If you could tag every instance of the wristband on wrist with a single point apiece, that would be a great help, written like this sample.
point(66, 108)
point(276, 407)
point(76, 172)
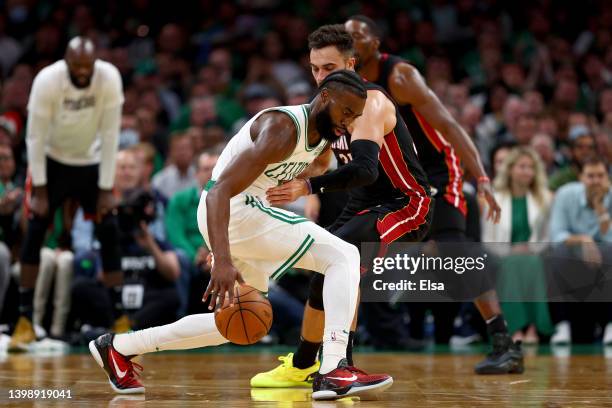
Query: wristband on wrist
point(309, 185)
point(605, 217)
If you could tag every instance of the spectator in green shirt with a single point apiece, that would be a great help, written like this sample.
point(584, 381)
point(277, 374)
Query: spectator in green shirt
point(583, 146)
point(182, 227)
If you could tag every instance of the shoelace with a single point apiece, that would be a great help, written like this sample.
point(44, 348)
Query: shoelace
point(134, 371)
point(285, 360)
point(499, 348)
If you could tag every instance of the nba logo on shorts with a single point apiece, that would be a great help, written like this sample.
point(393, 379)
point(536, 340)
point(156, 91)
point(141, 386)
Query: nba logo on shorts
point(333, 336)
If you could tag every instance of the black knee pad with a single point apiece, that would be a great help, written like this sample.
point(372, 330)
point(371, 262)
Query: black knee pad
point(315, 294)
point(35, 235)
point(107, 232)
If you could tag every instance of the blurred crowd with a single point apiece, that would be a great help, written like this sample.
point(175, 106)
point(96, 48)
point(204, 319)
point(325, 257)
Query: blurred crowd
point(530, 81)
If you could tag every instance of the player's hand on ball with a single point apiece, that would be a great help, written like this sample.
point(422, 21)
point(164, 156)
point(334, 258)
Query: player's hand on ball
point(288, 192)
point(223, 277)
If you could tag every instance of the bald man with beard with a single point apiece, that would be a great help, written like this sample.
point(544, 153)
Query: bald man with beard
point(72, 136)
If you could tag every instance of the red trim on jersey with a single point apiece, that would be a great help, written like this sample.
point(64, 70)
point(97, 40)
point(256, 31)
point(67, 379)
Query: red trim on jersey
point(454, 187)
point(398, 172)
point(407, 219)
point(412, 216)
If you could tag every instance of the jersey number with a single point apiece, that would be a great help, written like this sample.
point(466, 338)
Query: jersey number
point(345, 157)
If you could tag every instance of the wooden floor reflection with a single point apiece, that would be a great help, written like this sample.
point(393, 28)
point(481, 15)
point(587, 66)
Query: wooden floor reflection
point(221, 380)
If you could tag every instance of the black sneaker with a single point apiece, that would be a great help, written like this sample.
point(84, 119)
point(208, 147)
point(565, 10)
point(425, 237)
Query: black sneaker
point(506, 357)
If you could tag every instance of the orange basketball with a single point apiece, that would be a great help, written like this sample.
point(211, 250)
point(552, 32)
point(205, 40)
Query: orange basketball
point(248, 320)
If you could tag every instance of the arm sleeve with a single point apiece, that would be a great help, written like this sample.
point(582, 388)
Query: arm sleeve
point(559, 222)
point(114, 90)
point(36, 141)
point(361, 171)
point(109, 134)
point(40, 107)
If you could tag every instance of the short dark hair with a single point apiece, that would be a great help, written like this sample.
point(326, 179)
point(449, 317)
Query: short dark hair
point(347, 81)
point(594, 160)
point(372, 26)
point(331, 34)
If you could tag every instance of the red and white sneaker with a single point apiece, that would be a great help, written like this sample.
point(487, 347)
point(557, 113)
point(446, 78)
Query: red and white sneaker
point(121, 371)
point(347, 380)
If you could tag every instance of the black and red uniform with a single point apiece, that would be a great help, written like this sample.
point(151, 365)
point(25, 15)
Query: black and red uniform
point(398, 204)
point(397, 207)
point(438, 158)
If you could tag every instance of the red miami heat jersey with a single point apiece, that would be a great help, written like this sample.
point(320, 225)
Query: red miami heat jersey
point(401, 193)
point(436, 154)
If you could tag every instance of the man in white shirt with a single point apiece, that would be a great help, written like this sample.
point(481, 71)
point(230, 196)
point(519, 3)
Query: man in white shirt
point(180, 174)
point(72, 136)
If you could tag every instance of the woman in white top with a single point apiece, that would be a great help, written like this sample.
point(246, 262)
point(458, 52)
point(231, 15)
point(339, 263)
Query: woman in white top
point(521, 191)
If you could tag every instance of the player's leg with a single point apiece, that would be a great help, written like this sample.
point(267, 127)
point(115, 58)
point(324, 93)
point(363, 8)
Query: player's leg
point(297, 369)
point(36, 231)
point(339, 262)
point(114, 352)
point(248, 229)
point(506, 356)
point(449, 227)
point(305, 245)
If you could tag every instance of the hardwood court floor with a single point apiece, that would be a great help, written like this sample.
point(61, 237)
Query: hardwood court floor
point(222, 380)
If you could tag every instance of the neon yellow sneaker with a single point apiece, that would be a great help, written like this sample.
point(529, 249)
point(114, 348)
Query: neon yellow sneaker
point(285, 375)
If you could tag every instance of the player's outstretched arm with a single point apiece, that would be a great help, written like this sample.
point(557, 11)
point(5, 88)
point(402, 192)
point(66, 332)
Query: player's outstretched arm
point(367, 137)
point(274, 136)
point(408, 87)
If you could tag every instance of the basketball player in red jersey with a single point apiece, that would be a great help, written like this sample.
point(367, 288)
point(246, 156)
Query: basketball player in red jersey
point(329, 53)
point(389, 196)
point(441, 143)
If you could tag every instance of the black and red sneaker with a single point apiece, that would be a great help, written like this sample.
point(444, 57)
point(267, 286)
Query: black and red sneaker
point(121, 371)
point(347, 380)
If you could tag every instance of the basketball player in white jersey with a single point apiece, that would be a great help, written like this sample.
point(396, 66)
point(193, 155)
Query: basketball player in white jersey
point(72, 137)
point(253, 242)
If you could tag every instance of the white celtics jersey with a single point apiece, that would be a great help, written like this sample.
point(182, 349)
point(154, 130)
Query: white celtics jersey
point(275, 173)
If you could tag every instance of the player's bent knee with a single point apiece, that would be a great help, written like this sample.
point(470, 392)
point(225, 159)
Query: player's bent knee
point(348, 255)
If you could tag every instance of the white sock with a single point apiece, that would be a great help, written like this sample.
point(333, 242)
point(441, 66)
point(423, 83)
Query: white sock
point(335, 341)
point(339, 299)
point(194, 331)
